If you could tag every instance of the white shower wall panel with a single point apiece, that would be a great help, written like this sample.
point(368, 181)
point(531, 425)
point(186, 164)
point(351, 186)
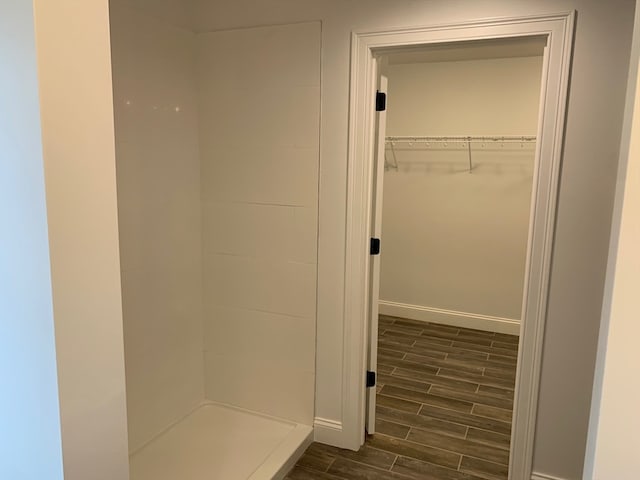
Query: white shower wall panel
point(259, 140)
point(158, 175)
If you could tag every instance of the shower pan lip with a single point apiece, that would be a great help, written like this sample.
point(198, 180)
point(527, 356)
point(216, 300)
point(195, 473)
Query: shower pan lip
point(222, 441)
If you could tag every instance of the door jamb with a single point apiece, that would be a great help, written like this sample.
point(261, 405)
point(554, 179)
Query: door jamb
point(558, 30)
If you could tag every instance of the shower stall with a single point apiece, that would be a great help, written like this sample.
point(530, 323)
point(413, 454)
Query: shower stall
point(217, 152)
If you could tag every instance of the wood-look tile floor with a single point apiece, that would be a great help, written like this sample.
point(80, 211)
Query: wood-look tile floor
point(445, 397)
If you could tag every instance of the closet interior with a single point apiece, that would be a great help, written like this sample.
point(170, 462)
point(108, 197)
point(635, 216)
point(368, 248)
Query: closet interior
point(460, 145)
point(217, 176)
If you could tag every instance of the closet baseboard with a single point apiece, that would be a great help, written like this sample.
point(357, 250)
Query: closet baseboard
point(450, 317)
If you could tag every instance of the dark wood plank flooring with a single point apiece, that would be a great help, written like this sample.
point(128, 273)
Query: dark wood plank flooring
point(445, 397)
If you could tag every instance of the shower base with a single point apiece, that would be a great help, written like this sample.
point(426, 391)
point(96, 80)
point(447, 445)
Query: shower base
point(218, 442)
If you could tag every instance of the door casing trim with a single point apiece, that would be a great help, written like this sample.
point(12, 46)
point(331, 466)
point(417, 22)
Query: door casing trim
point(558, 29)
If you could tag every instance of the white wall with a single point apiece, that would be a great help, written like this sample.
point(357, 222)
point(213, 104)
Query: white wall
point(30, 438)
point(74, 68)
point(178, 13)
point(613, 440)
point(158, 175)
point(452, 240)
point(259, 120)
point(601, 56)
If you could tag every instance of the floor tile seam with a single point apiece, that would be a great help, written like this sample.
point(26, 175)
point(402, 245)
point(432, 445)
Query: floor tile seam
point(447, 398)
point(461, 340)
point(475, 401)
point(498, 373)
point(494, 384)
point(466, 349)
point(438, 419)
point(489, 444)
point(428, 446)
point(457, 380)
point(508, 370)
point(467, 425)
point(455, 452)
point(500, 408)
point(414, 329)
point(490, 418)
point(382, 450)
point(380, 469)
point(402, 333)
point(396, 347)
point(420, 427)
point(461, 334)
point(505, 345)
point(384, 355)
point(486, 461)
point(502, 352)
point(449, 366)
point(485, 364)
point(462, 353)
point(499, 379)
point(479, 334)
point(467, 357)
point(427, 385)
point(394, 462)
point(431, 404)
point(489, 431)
point(428, 463)
point(429, 367)
point(333, 460)
point(314, 470)
point(471, 442)
point(447, 409)
point(480, 475)
point(494, 446)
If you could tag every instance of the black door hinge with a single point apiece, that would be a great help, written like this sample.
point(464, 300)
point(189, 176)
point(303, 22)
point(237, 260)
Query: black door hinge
point(374, 249)
point(381, 101)
point(371, 379)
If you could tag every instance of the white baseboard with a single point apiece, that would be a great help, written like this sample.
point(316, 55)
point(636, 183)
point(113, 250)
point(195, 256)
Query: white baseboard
point(450, 317)
point(541, 476)
point(327, 431)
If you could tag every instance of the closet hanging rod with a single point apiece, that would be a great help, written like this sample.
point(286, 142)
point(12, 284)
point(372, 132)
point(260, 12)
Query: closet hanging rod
point(462, 138)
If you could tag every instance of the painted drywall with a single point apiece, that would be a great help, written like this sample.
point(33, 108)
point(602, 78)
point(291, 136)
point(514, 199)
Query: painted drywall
point(178, 13)
point(158, 176)
point(594, 119)
point(74, 66)
point(30, 437)
point(259, 121)
point(453, 240)
point(613, 441)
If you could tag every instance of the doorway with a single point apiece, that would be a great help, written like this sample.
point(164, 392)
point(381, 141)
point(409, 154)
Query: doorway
point(556, 32)
point(455, 152)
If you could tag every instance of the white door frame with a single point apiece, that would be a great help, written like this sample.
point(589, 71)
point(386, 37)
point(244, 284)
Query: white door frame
point(558, 30)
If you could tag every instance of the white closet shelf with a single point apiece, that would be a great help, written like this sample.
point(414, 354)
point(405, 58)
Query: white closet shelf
point(462, 138)
point(465, 140)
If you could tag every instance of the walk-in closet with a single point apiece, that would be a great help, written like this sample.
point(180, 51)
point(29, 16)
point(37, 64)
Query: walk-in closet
point(217, 177)
point(458, 176)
